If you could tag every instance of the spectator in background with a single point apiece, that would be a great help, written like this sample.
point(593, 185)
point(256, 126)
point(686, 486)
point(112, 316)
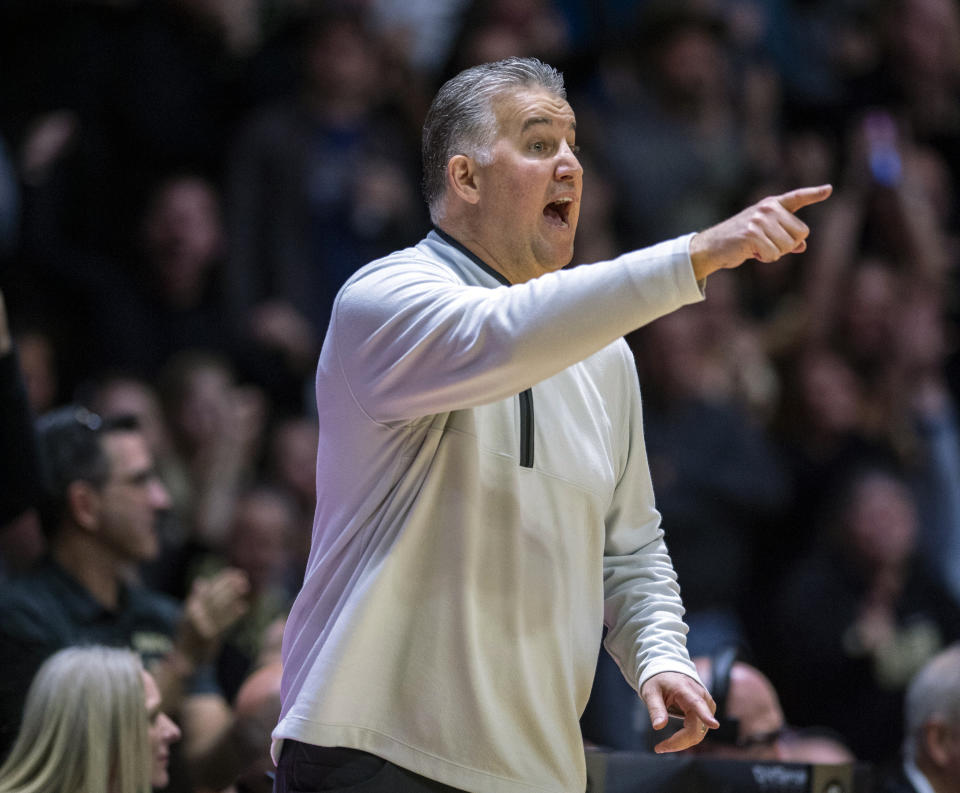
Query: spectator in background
point(319, 183)
point(257, 709)
point(291, 466)
point(720, 482)
point(877, 298)
point(92, 722)
point(422, 32)
point(147, 88)
point(133, 313)
point(173, 100)
point(20, 539)
point(748, 709)
point(819, 430)
point(491, 30)
point(259, 544)
point(676, 97)
point(772, 296)
point(38, 363)
point(20, 467)
point(487, 41)
point(120, 394)
point(929, 414)
point(241, 753)
point(57, 87)
point(822, 49)
point(752, 723)
point(217, 428)
point(101, 502)
point(172, 302)
point(931, 747)
point(859, 616)
point(917, 73)
point(885, 223)
point(737, 366)
point(291, 459)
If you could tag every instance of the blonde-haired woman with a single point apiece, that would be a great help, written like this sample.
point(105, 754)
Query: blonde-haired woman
point(91, 724)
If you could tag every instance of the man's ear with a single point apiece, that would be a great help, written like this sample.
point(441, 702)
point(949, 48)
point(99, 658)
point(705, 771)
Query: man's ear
point(462, 178)
point(83, 504)
point(936, 737)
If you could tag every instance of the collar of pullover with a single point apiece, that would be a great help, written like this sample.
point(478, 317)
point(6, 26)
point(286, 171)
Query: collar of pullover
point(473, 257)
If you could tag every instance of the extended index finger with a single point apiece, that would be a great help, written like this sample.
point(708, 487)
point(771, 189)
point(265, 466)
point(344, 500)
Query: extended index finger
point(804, 196)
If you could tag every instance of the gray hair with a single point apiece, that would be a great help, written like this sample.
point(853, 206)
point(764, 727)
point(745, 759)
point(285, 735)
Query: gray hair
point(84, 726)
point(934, 693)
point(461, 119)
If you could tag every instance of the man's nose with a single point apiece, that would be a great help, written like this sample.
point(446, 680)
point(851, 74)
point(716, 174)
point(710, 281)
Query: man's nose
point(159, 495)
point(568, 167)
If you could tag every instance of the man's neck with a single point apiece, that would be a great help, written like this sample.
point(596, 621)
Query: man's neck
point(482, 252)
point(925, 778)
point(88, 564)
point(455, 241)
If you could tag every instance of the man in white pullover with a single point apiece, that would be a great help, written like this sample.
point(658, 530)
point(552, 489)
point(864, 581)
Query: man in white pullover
point(484, 499)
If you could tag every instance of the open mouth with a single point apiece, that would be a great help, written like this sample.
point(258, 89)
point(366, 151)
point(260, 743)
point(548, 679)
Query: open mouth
point(557, 212)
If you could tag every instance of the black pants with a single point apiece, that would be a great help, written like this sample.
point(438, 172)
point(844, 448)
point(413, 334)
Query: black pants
point(304, 768)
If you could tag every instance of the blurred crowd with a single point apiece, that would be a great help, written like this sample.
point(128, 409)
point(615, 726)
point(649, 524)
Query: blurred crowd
point(185, 184)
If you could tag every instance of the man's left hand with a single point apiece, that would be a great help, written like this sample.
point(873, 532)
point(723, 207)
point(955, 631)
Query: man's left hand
point(674, 693)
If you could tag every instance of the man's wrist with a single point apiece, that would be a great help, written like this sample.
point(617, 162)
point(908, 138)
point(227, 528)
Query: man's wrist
point(181, 663)
point(701, 259)
point(192, 646)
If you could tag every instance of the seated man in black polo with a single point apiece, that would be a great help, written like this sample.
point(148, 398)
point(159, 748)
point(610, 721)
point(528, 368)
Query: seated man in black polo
point(102, 500)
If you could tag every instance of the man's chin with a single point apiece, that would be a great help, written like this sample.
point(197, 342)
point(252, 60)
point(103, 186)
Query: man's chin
point(564, 257)
point(557, 254)
point(149, 553)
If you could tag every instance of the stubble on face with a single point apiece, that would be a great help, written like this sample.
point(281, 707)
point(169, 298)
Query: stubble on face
point(529, 193)
point(133, 498)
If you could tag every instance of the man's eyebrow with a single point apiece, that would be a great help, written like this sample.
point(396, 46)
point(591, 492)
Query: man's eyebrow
point(530, 122)
point(140, 476)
